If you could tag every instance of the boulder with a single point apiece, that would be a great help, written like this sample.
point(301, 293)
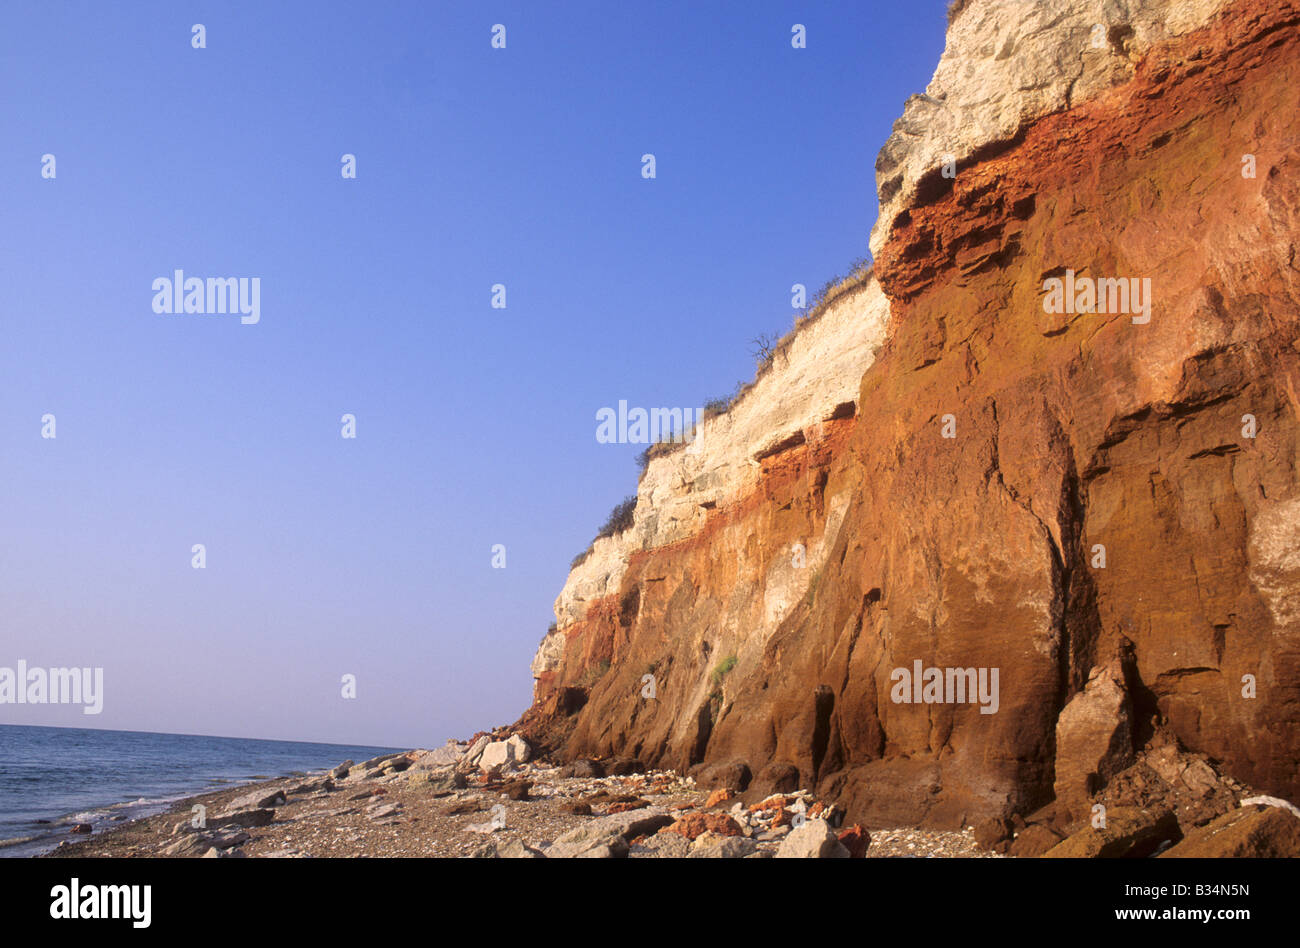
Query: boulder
point(499, 755)
point(341, 771)
point(521, 750)
point(814, 840)
point(733, 775)
point(662, 845)
point(446, 756)
point(608, 831)
point(718, 796)
point(1128, 833)
point(856, 840)
point(258, 799)
point(724, 847)
point(442, 781)
point(515, 849)
point(992, 831)
point(1094, 740)
point(189, 845)
point(693, 825)
point(475, 751)
point(1253, 831)
point(252, 816)
point(385, 759)
point(1034, 840)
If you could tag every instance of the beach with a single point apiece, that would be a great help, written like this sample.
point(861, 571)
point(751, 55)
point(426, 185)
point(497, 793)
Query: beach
point(417, 804)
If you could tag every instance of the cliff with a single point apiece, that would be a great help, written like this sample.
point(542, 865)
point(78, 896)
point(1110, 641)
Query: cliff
point(949, 468)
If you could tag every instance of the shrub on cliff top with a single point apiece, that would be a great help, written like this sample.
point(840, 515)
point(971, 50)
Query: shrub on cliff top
point(620, 518)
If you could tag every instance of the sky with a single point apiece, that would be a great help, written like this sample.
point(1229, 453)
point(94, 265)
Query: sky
point(372, 556)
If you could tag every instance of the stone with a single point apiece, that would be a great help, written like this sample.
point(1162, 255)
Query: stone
point(1093, 740)
point(585, 768)
point(228, 838)
point(253, 816)
point(498, 755)
point(610, 831)
point(81, 828)
point(442, 781)
point(732, 775)
point(520, 749)
point(475, 751)
point(814, 840)
point(724, 847)
point(717, 797)
point(516, 849)
point(1129, 833)
point(693, 825)
point(662, 845)
point(1257, 831)
point(341, 771)
point(189, 845)
point(517, 789)
point(258, 799)
point(448, 755)
point(856, 840)
point(383, 759)
point(1034, 840)
point(992, 831)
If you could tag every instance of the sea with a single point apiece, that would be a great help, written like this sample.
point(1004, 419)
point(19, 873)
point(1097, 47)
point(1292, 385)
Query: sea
point(52, 778)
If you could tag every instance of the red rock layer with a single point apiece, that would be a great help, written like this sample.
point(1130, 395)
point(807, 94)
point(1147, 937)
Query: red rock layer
point(1071, 431)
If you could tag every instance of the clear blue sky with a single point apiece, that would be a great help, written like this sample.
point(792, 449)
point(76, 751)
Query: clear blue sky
point(475, 426)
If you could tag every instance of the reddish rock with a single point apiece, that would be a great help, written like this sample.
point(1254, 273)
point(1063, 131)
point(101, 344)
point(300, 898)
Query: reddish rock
point(721, 795)
point(626, 806)
point(856, 840)
point(693, 824)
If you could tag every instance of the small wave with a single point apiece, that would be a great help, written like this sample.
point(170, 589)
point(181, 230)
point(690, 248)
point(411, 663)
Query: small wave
point(17, 841)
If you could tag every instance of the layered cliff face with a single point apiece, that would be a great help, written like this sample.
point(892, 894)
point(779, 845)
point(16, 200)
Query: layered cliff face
point(1013, 484)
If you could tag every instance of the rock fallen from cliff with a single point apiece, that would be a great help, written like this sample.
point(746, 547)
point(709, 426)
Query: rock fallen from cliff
point(1253, 831)
point(1036, 839)
point(815, 839)
point(609, 834)
point(722, 847)
point(1129, 833)
point(258, 799)
point(1094, 740)
point(248, 817)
